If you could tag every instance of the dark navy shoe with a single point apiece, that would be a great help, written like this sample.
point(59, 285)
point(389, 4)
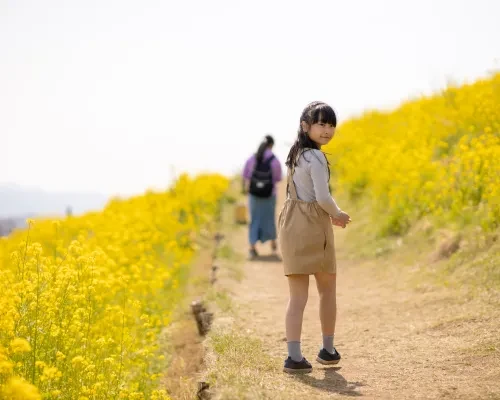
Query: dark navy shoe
point(327, 358)
point(252, 254)
point(293, 367)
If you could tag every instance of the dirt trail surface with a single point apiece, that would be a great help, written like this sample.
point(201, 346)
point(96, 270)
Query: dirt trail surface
point(396, 342)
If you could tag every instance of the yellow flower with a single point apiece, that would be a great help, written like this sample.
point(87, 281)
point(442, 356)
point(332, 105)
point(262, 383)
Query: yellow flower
point(54, 331)
point(6, 367)
point(19, 345)
point(40, 364)
point(93, 288)
point(453, 144)
point(76, 361)
point(50, 373)
point(18, 389)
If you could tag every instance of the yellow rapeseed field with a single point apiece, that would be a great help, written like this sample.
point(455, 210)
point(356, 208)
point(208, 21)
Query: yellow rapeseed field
point(435, 156)
point(83, 299)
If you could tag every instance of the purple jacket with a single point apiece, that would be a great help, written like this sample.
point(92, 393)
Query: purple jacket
point(275, 168)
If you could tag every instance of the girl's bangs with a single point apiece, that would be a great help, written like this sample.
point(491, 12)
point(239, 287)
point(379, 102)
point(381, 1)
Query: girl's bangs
point(324, 114)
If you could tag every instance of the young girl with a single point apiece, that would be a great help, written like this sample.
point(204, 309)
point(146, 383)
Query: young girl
point(306, 236)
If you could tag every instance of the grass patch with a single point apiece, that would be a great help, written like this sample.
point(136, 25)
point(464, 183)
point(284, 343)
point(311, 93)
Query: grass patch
point(235, 272)
point(488, 348)
point(240, 368)
point(221, 298)
point(241, 350)
point(432, 252)
point(473, 267)
point(232, 262)
point(227, 252)
point(485, 348)
point(180, 342)
point(200, 281)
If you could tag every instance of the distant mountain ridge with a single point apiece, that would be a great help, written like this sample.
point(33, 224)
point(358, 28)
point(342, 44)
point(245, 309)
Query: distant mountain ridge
point(18, 202)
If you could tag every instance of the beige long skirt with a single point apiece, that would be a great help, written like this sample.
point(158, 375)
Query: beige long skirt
point(305, 235)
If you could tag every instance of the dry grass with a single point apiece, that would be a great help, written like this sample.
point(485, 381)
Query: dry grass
point(187, 360)
point(239, 365)
point(456, 257)
point(232, 261)
point(181, 340)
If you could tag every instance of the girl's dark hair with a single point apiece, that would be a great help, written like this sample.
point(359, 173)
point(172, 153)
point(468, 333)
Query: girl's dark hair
point(268, 141)
point(315, 112)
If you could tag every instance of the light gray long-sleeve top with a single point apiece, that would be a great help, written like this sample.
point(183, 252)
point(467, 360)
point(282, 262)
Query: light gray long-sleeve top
point(311, 181)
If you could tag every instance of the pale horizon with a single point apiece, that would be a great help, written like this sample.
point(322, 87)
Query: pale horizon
point(117, 97)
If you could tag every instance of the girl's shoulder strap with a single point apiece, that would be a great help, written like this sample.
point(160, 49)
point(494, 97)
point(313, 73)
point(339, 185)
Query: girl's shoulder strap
point(300, 154)
point(319, 155)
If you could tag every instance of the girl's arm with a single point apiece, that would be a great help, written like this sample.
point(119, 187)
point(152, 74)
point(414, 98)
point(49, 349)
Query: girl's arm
point(276, 169)
point(319, 175)
point(247, 174)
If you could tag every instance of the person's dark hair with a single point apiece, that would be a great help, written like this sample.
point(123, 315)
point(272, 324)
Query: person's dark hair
point(315, 112)
point(267, 142)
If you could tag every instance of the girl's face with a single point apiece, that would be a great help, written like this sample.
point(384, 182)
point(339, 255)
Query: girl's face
point(320, 133)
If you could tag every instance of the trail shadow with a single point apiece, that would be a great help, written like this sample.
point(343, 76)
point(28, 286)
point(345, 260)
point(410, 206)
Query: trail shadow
point(271, 258)
point(333, 382)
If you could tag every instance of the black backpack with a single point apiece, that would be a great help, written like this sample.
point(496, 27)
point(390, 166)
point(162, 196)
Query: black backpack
point(261, 182)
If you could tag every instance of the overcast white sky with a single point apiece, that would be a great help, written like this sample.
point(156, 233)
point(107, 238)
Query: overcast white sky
point(109, 95)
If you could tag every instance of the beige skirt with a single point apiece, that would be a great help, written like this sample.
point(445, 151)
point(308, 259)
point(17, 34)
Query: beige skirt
point(305, 235)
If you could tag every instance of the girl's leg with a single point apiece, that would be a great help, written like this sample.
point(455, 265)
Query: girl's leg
point(274, 246)
point(298, 287)
point(327, 289)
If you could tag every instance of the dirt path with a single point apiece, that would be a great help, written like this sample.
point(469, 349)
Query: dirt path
point(396, 342)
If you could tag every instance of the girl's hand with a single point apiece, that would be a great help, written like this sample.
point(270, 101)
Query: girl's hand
point(341, 220)
point(246, 186)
